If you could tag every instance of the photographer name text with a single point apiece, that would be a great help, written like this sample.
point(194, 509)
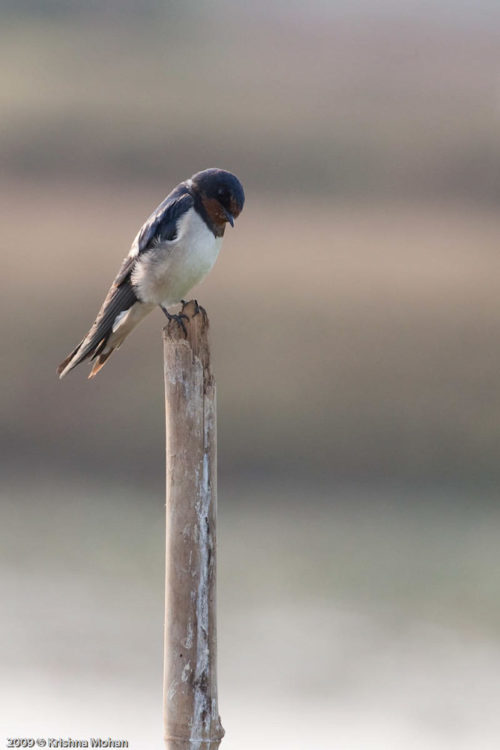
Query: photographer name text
point(64, 742)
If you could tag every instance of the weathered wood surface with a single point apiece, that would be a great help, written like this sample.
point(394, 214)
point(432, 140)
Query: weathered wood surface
point(191, 714)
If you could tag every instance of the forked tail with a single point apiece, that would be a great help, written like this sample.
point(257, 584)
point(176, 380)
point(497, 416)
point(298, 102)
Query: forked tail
point(119, 314)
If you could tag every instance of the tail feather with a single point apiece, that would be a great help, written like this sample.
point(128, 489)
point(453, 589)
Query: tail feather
point(85, 351)
point(63, 367)
point(78, 355)
point(119, 300)
point(100, 362)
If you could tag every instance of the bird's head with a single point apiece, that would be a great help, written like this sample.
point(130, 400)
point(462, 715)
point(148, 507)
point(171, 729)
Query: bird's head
point(221, 194)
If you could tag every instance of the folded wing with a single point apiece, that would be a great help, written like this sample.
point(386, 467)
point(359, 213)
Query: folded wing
point(100, 341)
point(119, 299)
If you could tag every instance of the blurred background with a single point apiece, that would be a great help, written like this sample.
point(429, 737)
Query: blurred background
point(354, 320)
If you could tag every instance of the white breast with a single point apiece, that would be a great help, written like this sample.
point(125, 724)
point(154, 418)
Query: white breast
point(164, 274)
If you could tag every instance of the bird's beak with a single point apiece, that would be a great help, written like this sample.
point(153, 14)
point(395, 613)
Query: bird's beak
point(229, 217)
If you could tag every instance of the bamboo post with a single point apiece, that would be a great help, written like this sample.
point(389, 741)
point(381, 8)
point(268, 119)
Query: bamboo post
point(190, 707)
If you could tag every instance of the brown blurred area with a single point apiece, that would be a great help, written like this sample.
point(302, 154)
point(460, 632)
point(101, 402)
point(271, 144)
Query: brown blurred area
point(354, 320)
point(354, 310)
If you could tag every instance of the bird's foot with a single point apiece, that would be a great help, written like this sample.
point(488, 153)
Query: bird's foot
point(178, 318)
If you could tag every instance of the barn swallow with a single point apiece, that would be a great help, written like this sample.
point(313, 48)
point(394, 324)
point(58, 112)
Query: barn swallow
point(173, 251)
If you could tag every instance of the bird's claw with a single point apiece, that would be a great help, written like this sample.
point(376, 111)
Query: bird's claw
point(178, 317)
point(180, 322)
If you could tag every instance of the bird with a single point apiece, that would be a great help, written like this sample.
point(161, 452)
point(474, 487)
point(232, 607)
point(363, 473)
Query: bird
point(174, 250)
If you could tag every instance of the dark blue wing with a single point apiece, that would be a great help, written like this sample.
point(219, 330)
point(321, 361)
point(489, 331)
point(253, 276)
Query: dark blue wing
point(162, 224)
point(159, 227)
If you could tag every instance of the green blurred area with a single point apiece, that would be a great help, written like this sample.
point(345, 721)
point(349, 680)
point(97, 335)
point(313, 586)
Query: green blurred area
point(373, 613)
